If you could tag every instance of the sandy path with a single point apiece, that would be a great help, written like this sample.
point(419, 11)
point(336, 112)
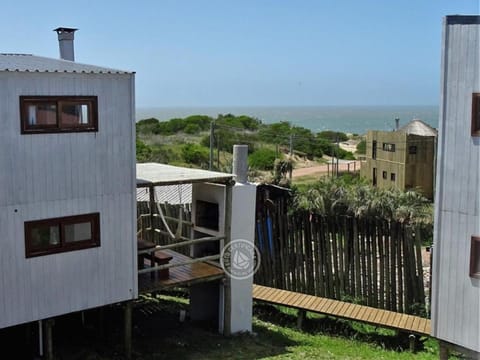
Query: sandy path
point(323, 169)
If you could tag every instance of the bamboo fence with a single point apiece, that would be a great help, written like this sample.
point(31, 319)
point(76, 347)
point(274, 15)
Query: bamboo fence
point(369, 261)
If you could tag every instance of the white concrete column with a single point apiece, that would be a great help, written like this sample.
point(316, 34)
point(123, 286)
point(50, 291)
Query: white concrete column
point(242, 228)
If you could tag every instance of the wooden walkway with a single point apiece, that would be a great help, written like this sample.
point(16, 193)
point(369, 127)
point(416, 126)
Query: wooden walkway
point(389, 319)
point(180, 275)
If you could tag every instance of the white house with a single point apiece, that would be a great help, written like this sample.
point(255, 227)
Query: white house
point(67, 180)
point(456, 263)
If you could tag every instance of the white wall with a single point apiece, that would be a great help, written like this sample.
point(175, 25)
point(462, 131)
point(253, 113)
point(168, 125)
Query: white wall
point(243, 227)
point(54, 175)
point(455, 296)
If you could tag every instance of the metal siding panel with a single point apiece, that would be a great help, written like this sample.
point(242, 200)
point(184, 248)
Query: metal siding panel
point(63, 174)
point(455, 303)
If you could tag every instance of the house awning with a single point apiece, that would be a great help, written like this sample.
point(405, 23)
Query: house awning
point(155, 174)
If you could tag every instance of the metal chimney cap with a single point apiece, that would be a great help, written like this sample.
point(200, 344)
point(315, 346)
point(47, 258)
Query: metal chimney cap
point(65, 29)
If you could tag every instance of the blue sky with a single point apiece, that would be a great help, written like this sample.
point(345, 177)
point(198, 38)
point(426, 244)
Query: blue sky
point(250, 52)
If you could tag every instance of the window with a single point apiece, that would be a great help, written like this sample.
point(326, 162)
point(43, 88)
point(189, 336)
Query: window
point(475, 257)
point(476, 114)
point(388, 147)
point(392, 176)
point(384, 174)
point(50, 236)
point(53, 114)
point(412, 150)
point(374, 149)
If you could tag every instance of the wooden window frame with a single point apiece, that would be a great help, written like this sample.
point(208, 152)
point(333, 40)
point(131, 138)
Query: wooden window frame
point(475, 241)
point(63, 246)
point(59, 127)
point(475, 130)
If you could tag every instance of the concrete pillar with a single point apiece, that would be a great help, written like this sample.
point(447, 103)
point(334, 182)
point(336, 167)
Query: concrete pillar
point(240, 163)
point(239, 299)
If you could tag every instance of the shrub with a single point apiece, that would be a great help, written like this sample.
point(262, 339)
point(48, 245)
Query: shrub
point(195, 154)
point(192, 129)
point(146, 126)
point(362, 147)
point(332, 135)
point(262, 159)
point(144, 152)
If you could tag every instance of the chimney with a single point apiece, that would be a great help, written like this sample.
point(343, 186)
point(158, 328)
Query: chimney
point(397, 123)
point(65, 42)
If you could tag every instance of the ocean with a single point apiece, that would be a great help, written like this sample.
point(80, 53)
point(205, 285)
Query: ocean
point(348, 119)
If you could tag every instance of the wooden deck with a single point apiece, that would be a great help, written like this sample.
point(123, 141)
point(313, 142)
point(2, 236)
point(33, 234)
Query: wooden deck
point(183, 275)
point(389, 319)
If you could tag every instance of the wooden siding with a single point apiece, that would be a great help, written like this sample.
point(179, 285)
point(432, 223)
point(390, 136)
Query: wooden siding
point(455, 296)
point(53, 175)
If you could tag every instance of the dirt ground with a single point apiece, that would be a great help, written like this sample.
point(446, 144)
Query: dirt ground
point(325, 168)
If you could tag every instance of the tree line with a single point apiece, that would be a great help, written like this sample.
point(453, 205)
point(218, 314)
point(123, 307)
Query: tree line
point(187, 140)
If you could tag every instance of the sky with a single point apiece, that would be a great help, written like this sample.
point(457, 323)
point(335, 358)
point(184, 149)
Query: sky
point(250, 52)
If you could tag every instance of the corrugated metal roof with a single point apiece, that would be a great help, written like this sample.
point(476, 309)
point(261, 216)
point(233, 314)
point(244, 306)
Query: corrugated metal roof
point(171, 194)
point(33, 63)
point(418, 127)
point(161, 174)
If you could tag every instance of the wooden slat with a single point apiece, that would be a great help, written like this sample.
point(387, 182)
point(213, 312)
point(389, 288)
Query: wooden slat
point(342, 309)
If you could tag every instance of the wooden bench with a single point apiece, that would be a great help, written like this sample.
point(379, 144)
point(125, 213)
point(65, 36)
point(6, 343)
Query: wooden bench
point(378, 317)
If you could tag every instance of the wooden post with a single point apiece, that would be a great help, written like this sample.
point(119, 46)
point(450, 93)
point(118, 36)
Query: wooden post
point(444, 352)
point(151, 191)
point(128, 329)
point(48, 340)
point(301, 315)
point(101, 323)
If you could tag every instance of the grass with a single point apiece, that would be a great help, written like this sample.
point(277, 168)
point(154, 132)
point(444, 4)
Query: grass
point(158, 334)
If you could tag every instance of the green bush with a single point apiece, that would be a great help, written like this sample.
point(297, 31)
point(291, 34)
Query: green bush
point(332, 135)
point(262, 159)
point(146, 126)
point(144, 152)
point(192, 129)
point(242, 121)
point(195, 154)
point(362, 147)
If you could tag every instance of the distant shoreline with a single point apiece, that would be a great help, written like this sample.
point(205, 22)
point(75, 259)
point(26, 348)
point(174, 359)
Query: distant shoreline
point(350, 119)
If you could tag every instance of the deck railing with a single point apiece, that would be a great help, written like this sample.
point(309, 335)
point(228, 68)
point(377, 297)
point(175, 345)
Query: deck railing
point(151, 228)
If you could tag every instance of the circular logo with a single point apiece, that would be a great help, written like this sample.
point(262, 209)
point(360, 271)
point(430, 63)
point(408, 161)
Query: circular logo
point(240, 259)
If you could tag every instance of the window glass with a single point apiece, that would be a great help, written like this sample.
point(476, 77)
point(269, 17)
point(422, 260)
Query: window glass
point(45, 236)
point(74, 114)
point(53, 114)
point(49, 236)
point(475, 257)
point(412, 150)
point(42, 114)
point(392, 176)
point(388, 147)
point(476, 114)
point(78, 232)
